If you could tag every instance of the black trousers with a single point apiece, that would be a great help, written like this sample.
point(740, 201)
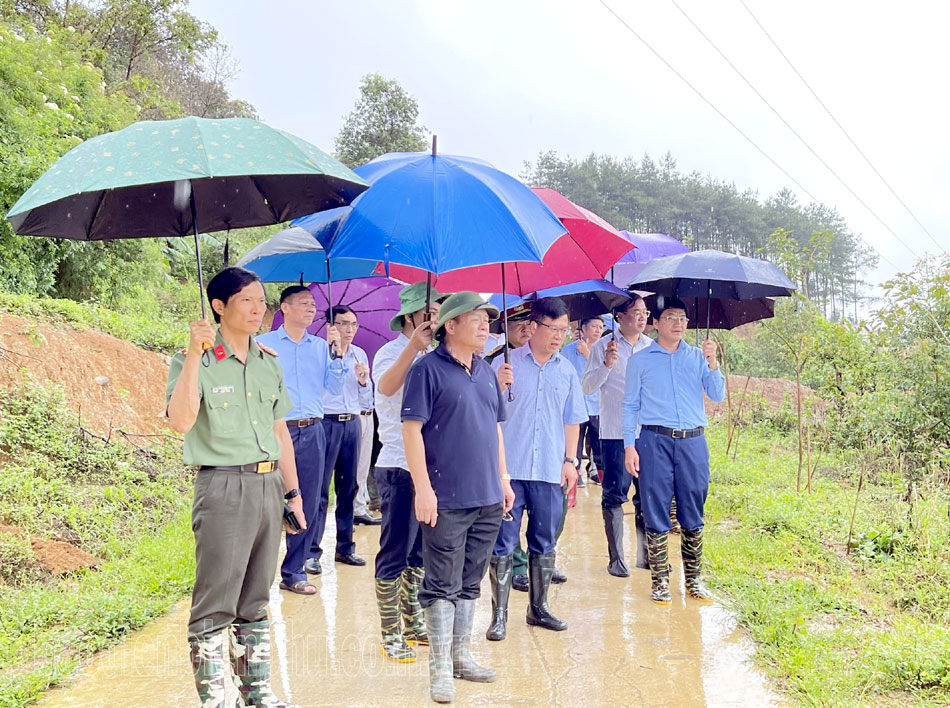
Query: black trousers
point(400, 540)
point(339, 464)
point(591, 431)
point(455, 552)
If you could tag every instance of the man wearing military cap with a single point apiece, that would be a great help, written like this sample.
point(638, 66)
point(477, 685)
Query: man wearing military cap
point(399, 570)
point(519, 331)
point(451, 412)
point(230, 402)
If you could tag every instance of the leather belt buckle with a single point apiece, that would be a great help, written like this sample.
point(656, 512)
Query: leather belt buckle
point(265, 466)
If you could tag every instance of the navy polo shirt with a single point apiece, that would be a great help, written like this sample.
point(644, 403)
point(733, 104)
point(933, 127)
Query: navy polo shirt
point(460, 413)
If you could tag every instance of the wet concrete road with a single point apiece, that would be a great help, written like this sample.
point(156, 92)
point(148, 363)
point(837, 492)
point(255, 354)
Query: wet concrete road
point(619, 649)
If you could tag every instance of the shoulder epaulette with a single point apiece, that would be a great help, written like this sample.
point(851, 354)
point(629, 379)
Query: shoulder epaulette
point(266, 349)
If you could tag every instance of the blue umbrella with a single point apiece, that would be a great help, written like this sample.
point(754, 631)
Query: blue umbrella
point(711, 275)
point(588, 298)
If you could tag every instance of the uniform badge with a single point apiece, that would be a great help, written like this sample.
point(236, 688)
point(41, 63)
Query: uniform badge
point(222, 389)
point(219, 353)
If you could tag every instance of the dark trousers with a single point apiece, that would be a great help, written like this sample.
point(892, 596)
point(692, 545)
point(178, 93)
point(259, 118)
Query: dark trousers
point(616, 482)
point(520, 566)
point(400, 539)
point(309, 451)
point(455, 552)
point(339, 464)
point(591, 431)
point(236, 518)
point(543, 502)
point(671, 467)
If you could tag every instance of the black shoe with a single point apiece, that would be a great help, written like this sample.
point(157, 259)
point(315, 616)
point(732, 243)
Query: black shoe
point(558, 577)
point(349, 559)
point(519, 583)
point(366, 520)
point(312, 566)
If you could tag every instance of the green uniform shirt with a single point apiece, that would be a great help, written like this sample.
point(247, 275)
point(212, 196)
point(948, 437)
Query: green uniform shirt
point(237, 408)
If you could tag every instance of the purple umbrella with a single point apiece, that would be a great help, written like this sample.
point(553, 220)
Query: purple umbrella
point(375, 301)
point(648, 247)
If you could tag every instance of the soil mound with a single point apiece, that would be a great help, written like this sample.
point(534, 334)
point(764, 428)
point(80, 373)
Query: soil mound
point(773, 391)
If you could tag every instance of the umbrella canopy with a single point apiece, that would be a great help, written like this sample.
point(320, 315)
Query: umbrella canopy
point(585, 253)
point(721, 313)
point(646, 248)
point(589, 298)
point(442, 212)
point(713, 274)
point(374, 300)
point(293, 254)
point(122, 184)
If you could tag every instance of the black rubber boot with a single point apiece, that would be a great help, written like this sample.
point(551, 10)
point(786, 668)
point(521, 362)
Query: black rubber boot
point(643, 561)
point(540, 570)
point(499, 571)
point(613, 527)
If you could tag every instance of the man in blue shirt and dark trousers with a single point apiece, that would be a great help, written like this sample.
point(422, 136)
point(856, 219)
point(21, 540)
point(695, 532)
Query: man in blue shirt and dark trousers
point(305, 360)
point(665, 385)
point(451, 410)
point(541, 429)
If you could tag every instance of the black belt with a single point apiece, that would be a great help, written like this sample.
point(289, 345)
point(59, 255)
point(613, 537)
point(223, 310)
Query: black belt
point(367, 412)
point(258, 467)
point(339, 417)
point(303, 422)
point(675, 432)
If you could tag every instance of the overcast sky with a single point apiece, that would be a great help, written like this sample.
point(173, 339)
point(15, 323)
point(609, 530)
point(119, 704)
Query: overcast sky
point(506, 79)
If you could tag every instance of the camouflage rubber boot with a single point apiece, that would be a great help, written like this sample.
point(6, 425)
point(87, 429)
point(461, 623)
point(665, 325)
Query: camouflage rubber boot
point(674, 522)
point(463, 665)
point(413, 619)
point(207, 661)
point(440, 622)
point(250, 665)
point(658, 551)
point(692, 549)
point(393, 644)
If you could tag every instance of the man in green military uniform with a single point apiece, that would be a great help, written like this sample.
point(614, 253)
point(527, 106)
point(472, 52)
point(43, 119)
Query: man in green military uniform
point(230, 403)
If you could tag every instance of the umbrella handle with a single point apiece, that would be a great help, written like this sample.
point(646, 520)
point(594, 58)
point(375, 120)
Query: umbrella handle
point(506, 352)
point(205, 346)
point(334, 354)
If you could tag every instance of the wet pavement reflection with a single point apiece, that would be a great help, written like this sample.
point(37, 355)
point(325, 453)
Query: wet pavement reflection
point(619, 649)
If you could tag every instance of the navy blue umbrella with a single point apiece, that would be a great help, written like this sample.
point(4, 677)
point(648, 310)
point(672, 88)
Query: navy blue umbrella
point(707, 276)
point(721, 313)
point(588, 298)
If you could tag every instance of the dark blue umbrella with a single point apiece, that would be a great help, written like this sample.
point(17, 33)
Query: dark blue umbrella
point(588, 298)
point(721, 313)
point(707, 276)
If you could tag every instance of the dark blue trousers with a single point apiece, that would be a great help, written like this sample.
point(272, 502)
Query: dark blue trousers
point(671, 466)
point(340, 461)
point(310, 450)
point(616, 482)
point(544, 502)
point(400, 539)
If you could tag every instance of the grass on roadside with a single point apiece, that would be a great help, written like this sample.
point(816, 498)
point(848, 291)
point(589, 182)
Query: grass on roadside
point(865, 629)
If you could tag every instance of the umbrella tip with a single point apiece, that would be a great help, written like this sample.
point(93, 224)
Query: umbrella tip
point(435, 142)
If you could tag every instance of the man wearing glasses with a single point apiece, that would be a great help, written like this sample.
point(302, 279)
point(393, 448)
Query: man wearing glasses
point(341, 425)
point(664, 402)
point(541, 429)
point(606, 372)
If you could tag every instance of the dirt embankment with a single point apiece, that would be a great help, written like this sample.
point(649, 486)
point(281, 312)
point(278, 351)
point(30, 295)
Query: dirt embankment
point(108, 382)
point(772, 391)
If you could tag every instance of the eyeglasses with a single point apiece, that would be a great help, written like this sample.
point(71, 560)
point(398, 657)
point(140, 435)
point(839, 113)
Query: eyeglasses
point(673, 319)
point(638, 313)
point(346, 325)
point(557, 330)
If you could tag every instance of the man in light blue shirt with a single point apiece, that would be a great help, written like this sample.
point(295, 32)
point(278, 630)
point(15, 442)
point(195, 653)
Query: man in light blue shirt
point(341, 425)
point(540, 434)
point(664, 397)
point(308, 373)
point(589, 333)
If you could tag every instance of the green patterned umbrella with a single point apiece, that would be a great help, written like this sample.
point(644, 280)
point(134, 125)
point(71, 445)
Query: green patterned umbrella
point(180, 177)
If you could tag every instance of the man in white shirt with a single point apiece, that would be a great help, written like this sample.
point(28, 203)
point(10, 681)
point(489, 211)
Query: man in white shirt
point(399, 569)
point(606, 372)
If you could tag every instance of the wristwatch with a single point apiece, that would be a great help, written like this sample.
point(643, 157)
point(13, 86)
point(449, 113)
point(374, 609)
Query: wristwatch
point(573, 460)
point(291, 494)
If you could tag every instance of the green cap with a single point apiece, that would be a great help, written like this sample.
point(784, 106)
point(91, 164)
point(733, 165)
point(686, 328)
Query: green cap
point(412, 298)
point(460, 303)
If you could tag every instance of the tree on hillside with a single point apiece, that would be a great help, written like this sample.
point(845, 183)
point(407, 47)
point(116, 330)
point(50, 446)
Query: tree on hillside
point(384, 119)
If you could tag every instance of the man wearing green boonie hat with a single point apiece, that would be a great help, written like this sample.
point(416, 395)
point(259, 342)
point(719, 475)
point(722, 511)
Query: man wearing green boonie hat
point(451, 410)
point(399, 570)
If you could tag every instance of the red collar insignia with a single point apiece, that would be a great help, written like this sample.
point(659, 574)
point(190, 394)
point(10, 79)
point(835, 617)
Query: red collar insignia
point(219, 352)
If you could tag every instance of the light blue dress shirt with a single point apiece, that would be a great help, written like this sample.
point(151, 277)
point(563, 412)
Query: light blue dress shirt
point(666, 388)
point(353, 398)
point(546, 398)
point(580, 363)
point(308, 371)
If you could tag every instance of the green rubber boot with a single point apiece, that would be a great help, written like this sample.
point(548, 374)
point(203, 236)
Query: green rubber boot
point(440, 622)
point(413, 618)
point(393, 643)
point(692, 549)
point(250, 664)
point(207, 661)
point(658, 553)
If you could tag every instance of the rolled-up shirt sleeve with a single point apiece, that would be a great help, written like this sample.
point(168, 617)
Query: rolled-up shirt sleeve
point(714, 383)
point(631, 402)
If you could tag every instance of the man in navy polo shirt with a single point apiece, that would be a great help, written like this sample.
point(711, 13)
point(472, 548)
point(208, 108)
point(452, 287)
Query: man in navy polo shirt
point(541, 431)
point(664, 396)
point(308, 373)
point(451, 413)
